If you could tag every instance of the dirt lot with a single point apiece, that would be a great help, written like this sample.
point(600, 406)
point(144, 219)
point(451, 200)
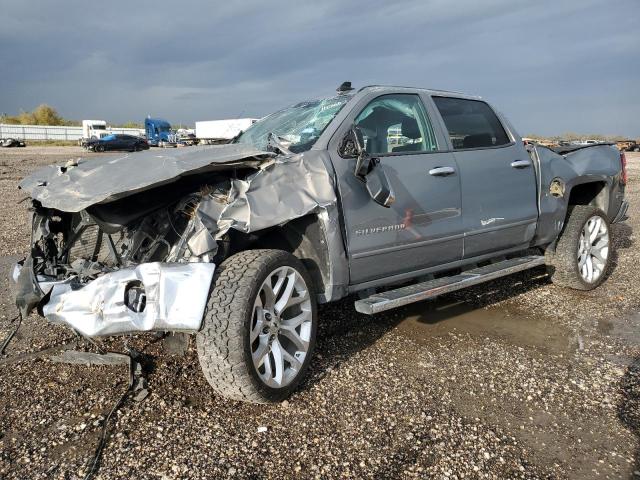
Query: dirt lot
point(513, 379)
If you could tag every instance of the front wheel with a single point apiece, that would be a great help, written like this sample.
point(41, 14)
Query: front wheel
point(582, 255)
point(259, 326)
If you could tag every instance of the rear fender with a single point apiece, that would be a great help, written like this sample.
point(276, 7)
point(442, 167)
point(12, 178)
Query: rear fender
point(590, 176)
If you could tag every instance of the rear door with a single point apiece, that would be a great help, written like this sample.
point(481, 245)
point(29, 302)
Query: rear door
point(499, 206)
point(423, 227)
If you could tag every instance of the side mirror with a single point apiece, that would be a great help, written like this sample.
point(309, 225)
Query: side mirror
point(352, 145)
point(367, 169)
point(379, 187)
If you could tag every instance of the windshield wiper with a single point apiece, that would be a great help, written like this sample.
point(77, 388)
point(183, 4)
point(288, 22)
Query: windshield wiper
point(275, 142)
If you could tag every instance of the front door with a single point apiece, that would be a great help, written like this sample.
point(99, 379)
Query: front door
point(423, 227)
point(499, 205)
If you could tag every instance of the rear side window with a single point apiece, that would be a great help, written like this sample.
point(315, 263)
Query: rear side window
point(471, 123)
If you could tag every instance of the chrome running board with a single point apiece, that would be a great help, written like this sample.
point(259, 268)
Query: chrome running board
point(379, 302)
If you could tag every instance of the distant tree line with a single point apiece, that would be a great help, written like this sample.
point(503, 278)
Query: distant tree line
point(47, 115)
point(41, 115)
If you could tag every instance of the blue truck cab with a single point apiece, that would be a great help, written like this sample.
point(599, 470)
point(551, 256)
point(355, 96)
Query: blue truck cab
point(158, 131)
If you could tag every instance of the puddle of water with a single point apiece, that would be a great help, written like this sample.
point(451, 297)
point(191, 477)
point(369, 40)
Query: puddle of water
point(425, 321)
point(625, 329)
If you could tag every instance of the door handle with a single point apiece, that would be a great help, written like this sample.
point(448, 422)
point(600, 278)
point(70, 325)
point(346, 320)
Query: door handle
point(521, 164)
point(442, 171)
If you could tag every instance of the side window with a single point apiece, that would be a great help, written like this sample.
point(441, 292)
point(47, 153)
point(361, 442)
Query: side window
point(471, 123)
point(396, 124)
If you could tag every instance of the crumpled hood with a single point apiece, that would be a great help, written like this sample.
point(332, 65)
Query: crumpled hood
point(104, 179)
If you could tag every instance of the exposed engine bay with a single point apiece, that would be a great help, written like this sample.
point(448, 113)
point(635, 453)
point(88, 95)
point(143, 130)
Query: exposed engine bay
point(105, 238)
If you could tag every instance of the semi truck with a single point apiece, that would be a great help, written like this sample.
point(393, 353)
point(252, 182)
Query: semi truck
point(92, 130)
point(159, 132)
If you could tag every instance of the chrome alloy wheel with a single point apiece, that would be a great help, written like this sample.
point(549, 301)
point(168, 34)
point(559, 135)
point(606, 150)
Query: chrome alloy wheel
point(593, 249)
point(281, 327)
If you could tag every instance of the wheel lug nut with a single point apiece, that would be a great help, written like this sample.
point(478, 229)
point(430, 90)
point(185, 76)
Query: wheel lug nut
point(267, 316)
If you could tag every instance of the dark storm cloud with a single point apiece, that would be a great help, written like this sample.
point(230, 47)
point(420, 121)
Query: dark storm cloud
point(549, 66)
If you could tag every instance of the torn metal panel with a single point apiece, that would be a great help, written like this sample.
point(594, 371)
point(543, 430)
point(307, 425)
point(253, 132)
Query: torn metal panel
point(45, 352)
point(176, 295)
point(293, 186)
point(336, 286)
point(80, 184)
point(28, 294)
point(290, 188)
point(202, 241)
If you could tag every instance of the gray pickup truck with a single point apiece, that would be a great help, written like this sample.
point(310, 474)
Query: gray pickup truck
point(393, 194)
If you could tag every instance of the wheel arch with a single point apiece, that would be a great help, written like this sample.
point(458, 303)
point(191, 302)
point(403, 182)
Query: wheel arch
point(309, 239)
point(589, 191)
point(592, 190)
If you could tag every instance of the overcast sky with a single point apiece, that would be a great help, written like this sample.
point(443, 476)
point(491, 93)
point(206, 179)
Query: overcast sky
point(550, 66)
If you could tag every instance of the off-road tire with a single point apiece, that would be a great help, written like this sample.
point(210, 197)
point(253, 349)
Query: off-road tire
point(223, 342)
point(562, 264)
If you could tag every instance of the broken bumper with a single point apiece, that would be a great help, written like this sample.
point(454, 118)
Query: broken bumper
point(169, 297)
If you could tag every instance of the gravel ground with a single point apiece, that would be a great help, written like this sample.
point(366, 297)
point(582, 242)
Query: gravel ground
point(512, 379)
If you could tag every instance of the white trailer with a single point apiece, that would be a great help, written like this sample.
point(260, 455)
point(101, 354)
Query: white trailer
point(216, 131)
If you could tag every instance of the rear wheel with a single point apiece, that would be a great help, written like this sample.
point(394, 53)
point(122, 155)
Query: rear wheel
point(99, 148)
point(582, 255)
point(259, 327)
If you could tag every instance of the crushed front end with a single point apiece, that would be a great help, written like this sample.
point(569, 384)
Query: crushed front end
point(119, 268)
point(129, 244)
point(118, 244)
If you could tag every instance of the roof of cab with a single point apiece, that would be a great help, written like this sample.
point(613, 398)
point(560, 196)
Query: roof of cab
point(429, 91)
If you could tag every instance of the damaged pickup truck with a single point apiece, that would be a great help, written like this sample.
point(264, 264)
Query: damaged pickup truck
point(395, 194)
